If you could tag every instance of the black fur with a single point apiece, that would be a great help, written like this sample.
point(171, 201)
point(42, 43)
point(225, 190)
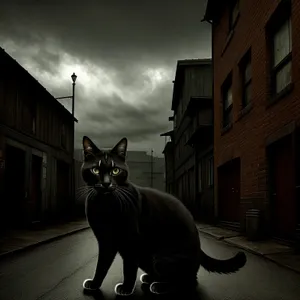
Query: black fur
point(151, 230)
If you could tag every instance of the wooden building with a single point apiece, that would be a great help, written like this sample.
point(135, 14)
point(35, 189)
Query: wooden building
point(169, 161)
point(192, 137)
point(36, 149)
point(257, 113)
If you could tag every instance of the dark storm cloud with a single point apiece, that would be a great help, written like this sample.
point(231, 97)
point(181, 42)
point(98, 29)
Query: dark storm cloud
point(113, 31)
point(113, 118)
point(122, 38)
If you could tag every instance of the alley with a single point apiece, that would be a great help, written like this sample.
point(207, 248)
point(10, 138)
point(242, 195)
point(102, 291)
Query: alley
point(56, 271)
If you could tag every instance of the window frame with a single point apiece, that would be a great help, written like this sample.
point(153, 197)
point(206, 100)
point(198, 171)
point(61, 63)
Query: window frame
point(228, 111)
point(277, 21)
point(233, 20)
point(246, 83)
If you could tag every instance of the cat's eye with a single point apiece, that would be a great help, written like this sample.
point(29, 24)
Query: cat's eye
point(95, 171)
point(115, 171)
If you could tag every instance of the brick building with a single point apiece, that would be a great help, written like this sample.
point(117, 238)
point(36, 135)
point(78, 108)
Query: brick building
point(36, 149)
point(256, 59)
point(188, 155)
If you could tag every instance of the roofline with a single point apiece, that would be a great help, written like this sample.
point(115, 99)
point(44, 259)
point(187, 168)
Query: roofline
point(187, 63)
point(36, 81)
point(213, 9)
point(194, 62)
point(168, 133)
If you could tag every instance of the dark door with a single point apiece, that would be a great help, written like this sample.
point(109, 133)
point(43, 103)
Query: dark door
point(36, 192)
point(229, 191)
point(14, 189)
point(283, 189)
point(63, 187)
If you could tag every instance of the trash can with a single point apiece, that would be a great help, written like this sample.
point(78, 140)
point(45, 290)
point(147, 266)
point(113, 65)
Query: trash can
point(253, 224)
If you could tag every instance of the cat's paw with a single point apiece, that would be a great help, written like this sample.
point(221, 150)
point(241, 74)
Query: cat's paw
point(146, 279)
point(162, 288)
point(89, 285)
point(121, 290)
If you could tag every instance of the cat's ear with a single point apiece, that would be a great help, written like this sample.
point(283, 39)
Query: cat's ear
point(89, 148)
point(121, 148)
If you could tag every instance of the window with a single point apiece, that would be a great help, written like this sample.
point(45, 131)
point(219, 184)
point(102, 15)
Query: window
point(282, 58)
point(234, 11)
point(227, 102)
point(210, 171)
point(279, 35)
point(246, 75)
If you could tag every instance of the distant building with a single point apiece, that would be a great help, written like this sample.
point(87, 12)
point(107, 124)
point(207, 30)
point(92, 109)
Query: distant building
point(189, 152)
point(256, 59)
point(36, 149)
point(144, 169)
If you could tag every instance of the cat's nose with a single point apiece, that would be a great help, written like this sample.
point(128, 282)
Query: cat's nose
point(106, 184)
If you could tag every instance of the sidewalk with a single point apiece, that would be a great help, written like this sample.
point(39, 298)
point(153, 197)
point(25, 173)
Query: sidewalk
point(17, 240)
point(278, 253)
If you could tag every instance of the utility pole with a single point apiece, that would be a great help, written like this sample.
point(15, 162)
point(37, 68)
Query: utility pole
point(151, 165)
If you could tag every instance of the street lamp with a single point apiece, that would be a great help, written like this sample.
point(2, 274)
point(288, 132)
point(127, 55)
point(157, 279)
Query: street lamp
point(74, 77)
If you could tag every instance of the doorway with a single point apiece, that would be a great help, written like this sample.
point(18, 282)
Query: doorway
point(14, 189)
point(63, 187)
point(283, 188)
point(36, 191)
point(229, 193)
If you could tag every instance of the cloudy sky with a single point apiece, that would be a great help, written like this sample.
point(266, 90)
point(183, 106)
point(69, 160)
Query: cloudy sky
point(123, 52)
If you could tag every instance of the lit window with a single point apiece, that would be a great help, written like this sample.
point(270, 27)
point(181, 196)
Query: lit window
point(234, 10)
point(282, 58)
point(227, 103)
point(246, 74)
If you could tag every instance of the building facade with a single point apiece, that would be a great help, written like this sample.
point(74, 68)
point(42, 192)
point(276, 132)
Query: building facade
point(256, 59)
point(190, 151)
point(36, 148)
point(146, 170)
point(169, 161)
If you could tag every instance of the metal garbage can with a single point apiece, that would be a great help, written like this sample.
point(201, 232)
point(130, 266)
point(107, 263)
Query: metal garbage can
point(253, 224)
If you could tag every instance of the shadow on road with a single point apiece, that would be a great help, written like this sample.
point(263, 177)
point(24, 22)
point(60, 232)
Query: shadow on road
point(198, 294)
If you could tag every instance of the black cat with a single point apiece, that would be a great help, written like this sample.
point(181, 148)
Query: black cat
point(151, 230)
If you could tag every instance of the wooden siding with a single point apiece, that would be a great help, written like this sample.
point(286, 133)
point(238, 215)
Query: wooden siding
point(28, 108)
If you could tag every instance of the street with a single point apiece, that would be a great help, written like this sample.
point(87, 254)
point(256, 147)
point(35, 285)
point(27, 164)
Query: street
point(56, 271)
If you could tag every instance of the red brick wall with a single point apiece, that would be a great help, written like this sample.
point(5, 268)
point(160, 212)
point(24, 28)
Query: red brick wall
point(247, 136)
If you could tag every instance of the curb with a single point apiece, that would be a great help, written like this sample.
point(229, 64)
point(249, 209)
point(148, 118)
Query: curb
point(265, 256)
point(43, 242)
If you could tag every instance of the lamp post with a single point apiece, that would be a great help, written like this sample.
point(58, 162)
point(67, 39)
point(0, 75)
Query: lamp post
point(74, 77)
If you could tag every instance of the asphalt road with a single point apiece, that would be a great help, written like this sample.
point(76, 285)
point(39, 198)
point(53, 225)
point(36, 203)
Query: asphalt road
point(56, 271)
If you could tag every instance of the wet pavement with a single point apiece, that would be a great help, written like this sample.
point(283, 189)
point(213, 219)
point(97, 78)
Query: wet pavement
point(55, 271)
point(17, 240)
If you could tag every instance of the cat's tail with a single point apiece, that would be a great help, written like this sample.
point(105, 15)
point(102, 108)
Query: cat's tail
point(230, 265)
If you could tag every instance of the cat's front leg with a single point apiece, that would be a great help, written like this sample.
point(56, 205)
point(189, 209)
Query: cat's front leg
point(130, 268)
point(107, 253)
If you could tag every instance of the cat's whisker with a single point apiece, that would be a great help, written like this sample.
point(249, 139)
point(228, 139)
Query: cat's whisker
point(123, 200)
point(84, 192)
point(120, 201)
point(125, 197)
